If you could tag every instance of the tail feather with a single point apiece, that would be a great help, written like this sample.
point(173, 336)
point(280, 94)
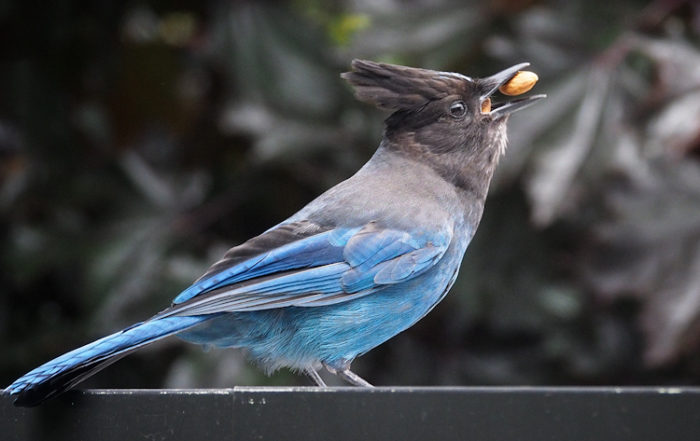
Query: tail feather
point(64, 372)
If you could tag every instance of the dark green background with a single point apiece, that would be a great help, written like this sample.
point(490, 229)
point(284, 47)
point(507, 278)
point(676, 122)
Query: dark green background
point(140, 140)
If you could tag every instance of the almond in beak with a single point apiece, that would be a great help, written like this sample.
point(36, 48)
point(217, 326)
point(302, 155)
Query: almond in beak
point(521, 82)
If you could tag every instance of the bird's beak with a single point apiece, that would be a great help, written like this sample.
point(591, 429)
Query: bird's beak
point(491, 84)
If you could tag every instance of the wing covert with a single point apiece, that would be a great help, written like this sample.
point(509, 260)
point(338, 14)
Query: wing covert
point(324, 267)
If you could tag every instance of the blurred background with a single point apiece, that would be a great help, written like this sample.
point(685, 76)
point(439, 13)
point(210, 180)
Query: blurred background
point(139, 140)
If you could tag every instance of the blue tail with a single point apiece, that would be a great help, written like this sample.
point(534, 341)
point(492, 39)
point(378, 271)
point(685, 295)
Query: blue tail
point(71, 368)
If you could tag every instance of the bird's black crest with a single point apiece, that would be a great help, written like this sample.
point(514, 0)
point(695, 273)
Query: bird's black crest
point(392, 87)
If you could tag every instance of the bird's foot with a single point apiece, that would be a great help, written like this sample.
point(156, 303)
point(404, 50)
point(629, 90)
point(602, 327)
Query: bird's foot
point(346, 374)
point(311, 372)
point(353, 378)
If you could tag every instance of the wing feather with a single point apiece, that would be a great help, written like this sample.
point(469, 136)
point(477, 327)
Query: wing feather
point(307, 265)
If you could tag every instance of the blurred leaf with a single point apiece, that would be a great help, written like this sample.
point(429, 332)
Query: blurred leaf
point(343, 28)
point(648, 248)
point(556, 169)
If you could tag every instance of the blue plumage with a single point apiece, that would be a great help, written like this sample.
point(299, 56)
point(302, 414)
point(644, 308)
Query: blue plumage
point(361, 263)
point(72, 367)
point(316, 250)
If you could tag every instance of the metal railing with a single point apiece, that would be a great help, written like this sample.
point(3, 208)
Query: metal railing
point(383, 413)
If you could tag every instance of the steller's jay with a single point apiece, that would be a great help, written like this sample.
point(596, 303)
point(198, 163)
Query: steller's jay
point(359, 264)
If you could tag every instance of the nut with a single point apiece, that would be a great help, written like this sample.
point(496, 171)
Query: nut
point(521, 82)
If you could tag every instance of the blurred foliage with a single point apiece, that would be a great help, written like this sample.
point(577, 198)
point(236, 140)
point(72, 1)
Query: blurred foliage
point(140, 140)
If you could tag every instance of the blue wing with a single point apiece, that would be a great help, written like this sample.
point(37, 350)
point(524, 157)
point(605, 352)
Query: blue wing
point(303, 264)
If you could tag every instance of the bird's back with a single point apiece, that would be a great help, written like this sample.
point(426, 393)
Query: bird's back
point(394, 190)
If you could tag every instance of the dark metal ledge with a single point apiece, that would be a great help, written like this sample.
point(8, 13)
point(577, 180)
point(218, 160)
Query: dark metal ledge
point(337, 414)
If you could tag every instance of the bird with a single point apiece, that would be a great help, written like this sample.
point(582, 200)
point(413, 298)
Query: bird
point(359, 264)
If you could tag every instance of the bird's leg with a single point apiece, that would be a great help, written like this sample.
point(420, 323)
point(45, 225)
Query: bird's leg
point(353, 378)
point(311, 372)
point(346, 374)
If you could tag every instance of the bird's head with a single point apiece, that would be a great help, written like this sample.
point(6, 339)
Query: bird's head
point(439, 112)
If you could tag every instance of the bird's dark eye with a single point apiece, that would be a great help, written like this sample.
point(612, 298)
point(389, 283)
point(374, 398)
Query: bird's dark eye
point(458, 109)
